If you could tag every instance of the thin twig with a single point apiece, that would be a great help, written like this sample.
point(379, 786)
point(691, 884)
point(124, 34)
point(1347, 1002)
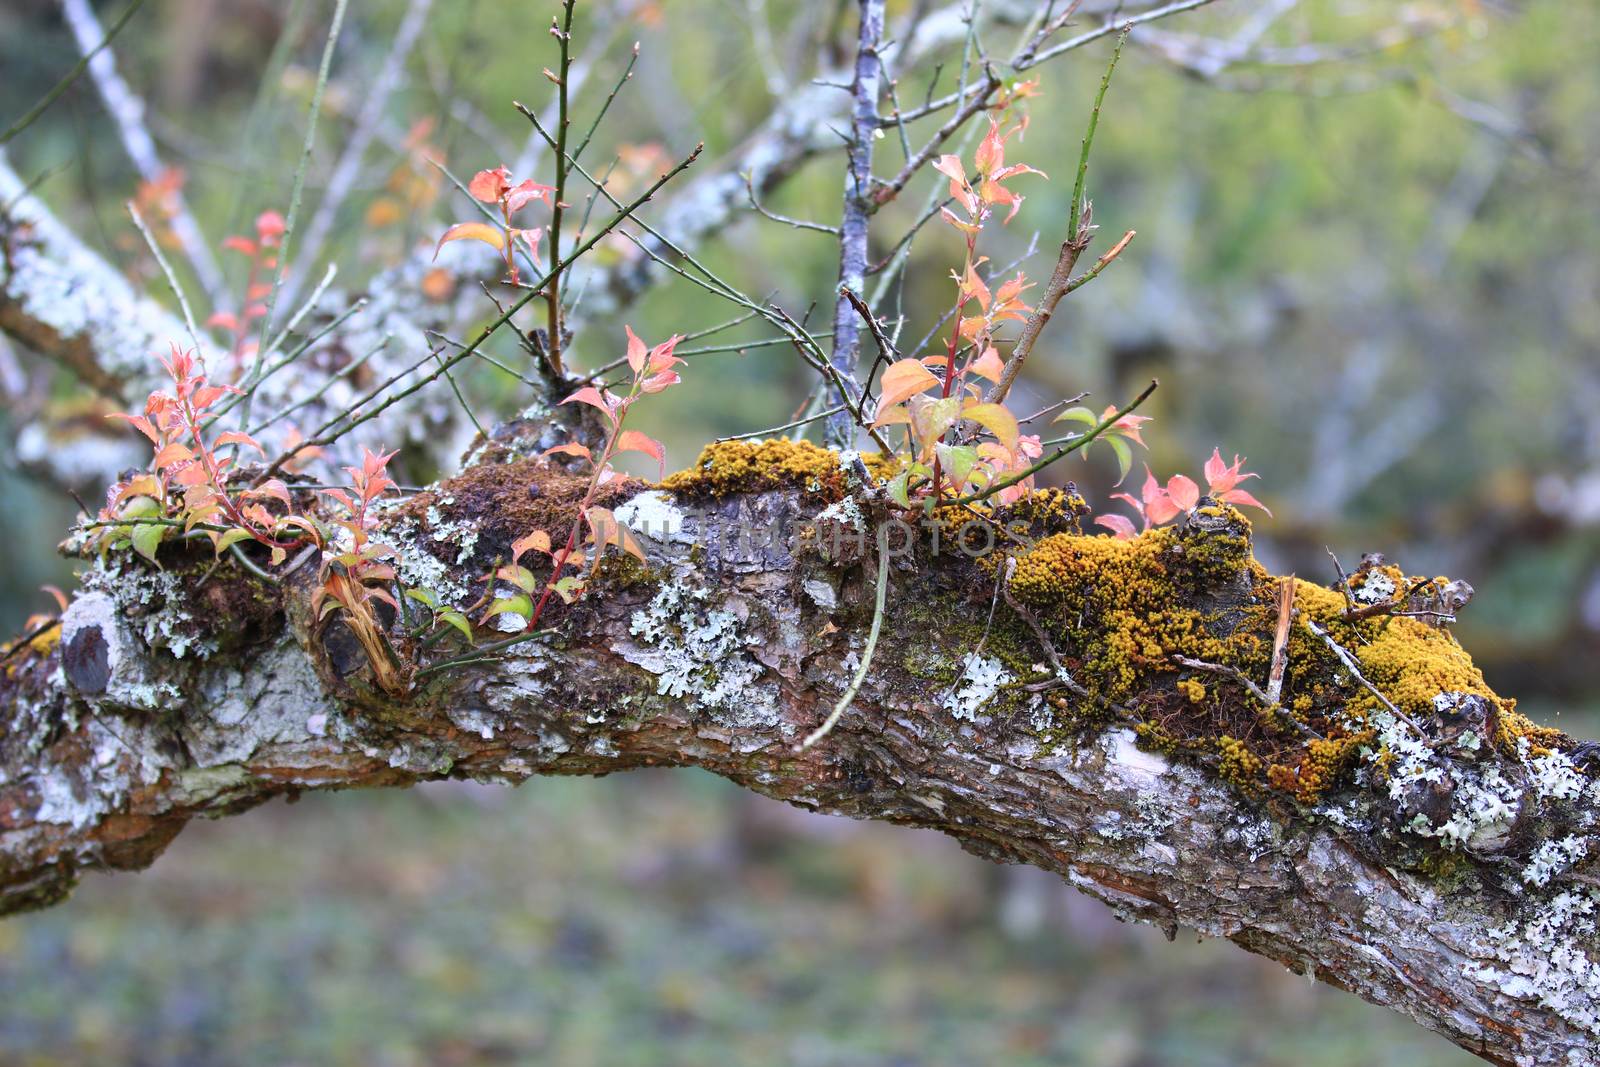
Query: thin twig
point(456, 389)
point(71, 76)
point(1224, 669)
point(295, 192)
point(891, 188)
point(504, 317)
point(375, 97)
point(1079, 234)
point(786, 426)
point(799, 224)
point(172, 278)
point(1113, 26)
point(1351, 665)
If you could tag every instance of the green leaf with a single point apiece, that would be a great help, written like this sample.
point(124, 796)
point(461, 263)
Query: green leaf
point(459, 621)
point(231, 538)
point(568, 588)
point(1124, 457)
point(147, 537)
point(425, 597)
point(521, 577)
point(1078, 414)
point(515, 605)
point(897, 488)
point(958, 461)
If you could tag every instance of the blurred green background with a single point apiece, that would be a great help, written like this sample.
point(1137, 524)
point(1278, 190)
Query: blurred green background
point(1375, 273)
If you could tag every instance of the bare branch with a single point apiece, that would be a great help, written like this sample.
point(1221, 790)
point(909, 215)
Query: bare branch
point(127, 113)
point(853, 262)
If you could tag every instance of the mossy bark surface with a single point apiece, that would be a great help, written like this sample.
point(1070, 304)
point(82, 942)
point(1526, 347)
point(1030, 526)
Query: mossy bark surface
point(1394, 828)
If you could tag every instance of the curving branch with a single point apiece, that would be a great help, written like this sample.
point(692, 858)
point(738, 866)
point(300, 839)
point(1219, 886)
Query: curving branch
point(1443, 872)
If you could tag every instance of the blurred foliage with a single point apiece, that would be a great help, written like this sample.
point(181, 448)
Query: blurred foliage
point(1375, 277)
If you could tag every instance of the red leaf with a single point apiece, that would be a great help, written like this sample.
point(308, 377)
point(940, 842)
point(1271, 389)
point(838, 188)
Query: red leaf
point(274, 488)
point(140, 423)
point(904, 378)
point(537, 541)
point(594, 398)
point(634, 441)
point(571, 448)
point(989, 365)
point(526, 191)
point(236, 437)
point(172, 454)
point(1184, 493)
point(472, 231)
point(269, 226)
point(1120, 525)
point(490, 185)
point(637, 350)
point(1240, 496)
point(1161, 510)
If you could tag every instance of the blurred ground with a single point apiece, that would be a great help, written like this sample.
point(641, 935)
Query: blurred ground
point(650, 919)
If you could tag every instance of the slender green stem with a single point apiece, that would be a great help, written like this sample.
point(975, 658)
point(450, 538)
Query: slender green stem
point(295, 193)
point(172, 278)
point(627, 73)
point(299, 350)
point(796, 424)
point(317, 394)
point(1088, 138)
point(456, 389)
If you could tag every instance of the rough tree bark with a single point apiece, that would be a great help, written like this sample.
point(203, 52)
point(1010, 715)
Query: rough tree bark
point(1448, 885)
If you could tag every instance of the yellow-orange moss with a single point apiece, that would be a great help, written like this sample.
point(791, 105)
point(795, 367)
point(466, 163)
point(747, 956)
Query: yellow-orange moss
point(39, 645)
point(727, 467)
point(1123, 609)
point(1122, 603)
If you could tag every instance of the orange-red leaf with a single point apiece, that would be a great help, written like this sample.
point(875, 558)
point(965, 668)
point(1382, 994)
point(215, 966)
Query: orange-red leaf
point(904, 378)
point(634, 441)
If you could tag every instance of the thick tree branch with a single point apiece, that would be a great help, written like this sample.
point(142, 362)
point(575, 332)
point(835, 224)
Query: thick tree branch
point(1449, 881)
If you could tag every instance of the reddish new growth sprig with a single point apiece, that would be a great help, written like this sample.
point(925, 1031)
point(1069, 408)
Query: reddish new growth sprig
point(358, 572)
point(970, 462)
point(496, 187)
point(187, 487)
point(262, 252)
point(1158, 504)
point(593, 527)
